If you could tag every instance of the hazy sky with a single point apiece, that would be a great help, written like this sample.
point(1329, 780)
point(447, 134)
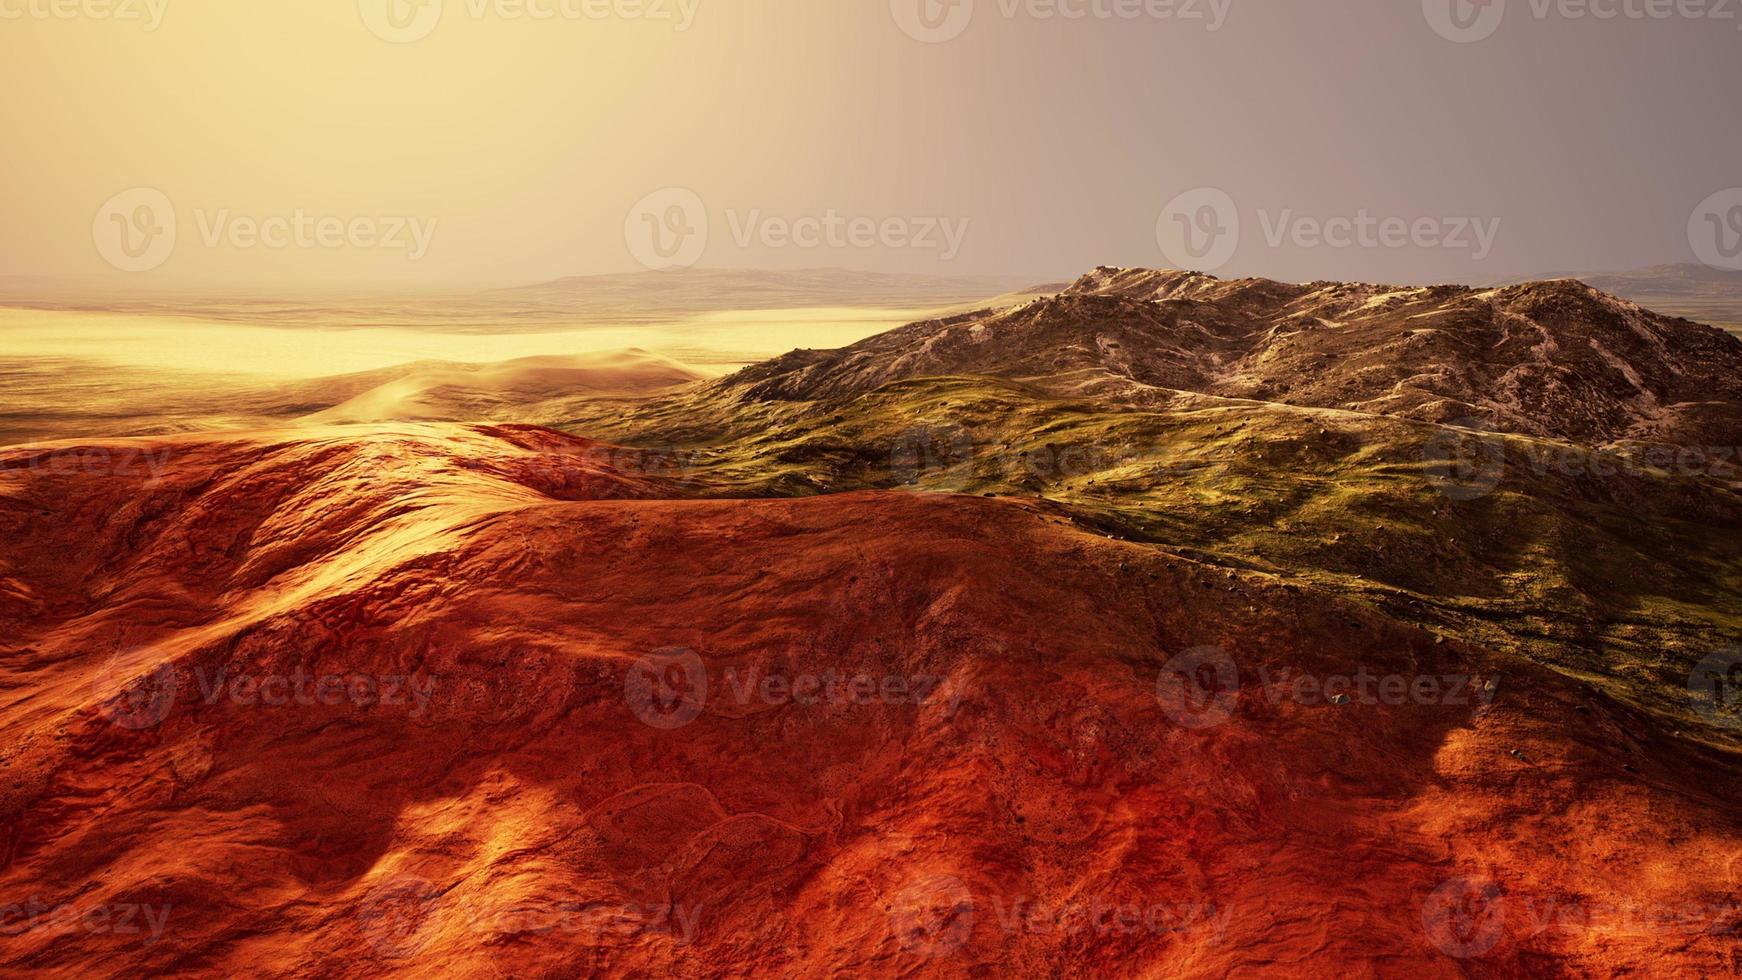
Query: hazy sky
point(462, 141)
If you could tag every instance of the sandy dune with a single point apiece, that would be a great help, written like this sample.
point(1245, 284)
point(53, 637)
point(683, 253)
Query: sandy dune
point(81, 373)
point(452, 392)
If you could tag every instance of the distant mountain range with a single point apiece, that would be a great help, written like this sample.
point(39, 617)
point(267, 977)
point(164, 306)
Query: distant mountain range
point(1557, 359)
point(1697, 292)
point(617, 298)
point(643, 294)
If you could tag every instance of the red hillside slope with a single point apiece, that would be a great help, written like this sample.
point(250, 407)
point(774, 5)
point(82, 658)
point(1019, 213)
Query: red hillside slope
point(486, 700)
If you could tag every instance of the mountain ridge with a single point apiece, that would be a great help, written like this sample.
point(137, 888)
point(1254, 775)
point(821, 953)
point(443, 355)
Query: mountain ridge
point(1556, 358)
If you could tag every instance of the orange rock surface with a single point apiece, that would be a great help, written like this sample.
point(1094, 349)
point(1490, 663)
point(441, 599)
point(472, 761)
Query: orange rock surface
point(483, 702)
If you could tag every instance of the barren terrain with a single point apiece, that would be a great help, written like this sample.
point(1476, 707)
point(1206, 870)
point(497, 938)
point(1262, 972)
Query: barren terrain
point(1153, 626)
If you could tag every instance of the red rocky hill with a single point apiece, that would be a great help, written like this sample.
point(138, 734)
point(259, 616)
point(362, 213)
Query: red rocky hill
point(489, 702)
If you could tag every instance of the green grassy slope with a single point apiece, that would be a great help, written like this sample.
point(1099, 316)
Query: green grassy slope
point(1607, 566)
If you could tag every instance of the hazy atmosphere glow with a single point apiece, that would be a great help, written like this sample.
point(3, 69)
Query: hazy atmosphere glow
point(438, 143)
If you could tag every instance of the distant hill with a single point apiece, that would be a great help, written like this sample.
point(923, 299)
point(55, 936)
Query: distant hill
point(620, 298)
point(1557, 359)
point(1697, 292)
point(652, 294)
point(443, 391)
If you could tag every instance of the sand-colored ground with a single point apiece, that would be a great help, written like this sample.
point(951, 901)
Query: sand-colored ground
point(74, 373)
